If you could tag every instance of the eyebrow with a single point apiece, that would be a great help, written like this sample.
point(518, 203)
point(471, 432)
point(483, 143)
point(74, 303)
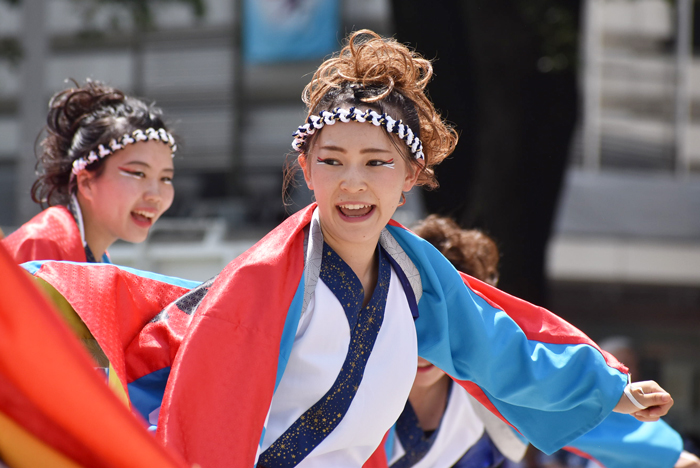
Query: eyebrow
point(362, 151)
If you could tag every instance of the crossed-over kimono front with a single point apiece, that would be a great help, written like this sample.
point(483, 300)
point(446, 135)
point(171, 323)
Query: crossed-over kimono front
point(232, 366)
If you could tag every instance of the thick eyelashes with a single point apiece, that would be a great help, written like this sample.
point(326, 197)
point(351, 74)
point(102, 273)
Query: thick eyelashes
point(327, 161)
point(142, 175)
point(379, 163)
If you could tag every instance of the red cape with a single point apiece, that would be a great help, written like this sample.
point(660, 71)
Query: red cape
point(50, 235)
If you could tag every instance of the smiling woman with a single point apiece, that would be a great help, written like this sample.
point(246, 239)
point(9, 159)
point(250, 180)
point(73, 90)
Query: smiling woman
point(303, 350)
point(105, 171)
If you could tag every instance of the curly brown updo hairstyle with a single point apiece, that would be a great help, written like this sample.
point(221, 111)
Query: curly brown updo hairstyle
point(381, 74)
point(469, 250)
point(80, 119)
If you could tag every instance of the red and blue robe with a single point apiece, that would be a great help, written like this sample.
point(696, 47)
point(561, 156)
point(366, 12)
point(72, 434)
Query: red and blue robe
point(211, 356)
point(467, 437)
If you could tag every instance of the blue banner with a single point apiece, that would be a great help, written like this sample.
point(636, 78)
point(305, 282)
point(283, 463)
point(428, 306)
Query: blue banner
point(286, 30)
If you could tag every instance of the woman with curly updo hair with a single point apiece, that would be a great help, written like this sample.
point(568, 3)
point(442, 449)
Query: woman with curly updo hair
point(303, 350)
point(105, 171)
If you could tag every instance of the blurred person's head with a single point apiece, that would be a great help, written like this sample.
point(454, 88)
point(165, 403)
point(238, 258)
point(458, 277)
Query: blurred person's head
point(471, 252)
point(112, 154)
point(623, 349)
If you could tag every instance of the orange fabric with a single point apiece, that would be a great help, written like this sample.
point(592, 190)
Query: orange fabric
point(50, 235)
point(20, 449)
point(49, 387)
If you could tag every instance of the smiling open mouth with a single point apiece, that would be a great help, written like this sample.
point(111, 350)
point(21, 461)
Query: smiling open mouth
point(355, 210)
point(143, 217)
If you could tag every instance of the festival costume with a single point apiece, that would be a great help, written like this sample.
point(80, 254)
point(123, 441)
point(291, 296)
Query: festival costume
point(517, 359)
point(462, 439)
point(55, 410)
point(50, 235)
point(56, 233)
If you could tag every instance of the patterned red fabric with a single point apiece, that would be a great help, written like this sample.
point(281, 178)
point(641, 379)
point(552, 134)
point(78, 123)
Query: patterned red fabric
point(49, 387)
point(193, 421)
point(115, 323)
point(50, 235)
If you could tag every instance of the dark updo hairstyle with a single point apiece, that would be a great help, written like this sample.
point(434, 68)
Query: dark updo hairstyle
point(81, 118)
point(381, 74)
point(469, 250)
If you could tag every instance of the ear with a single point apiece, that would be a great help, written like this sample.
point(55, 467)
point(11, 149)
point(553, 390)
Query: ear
point(84, 184)
point(412, 173)
point(305, 167)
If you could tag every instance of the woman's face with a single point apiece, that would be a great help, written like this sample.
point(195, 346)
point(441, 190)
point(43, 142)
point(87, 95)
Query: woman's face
point(357, 175)
point(132, 192)
point(427, 374)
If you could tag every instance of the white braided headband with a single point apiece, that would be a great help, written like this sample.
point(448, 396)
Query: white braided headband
point(150, 134)
point(317, 122)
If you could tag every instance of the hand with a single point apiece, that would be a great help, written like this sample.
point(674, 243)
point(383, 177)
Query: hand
point(687, 460)
point(650, 394)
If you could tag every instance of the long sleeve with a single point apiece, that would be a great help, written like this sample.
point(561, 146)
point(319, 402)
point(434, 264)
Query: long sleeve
point(528, 366)
point(621, 441)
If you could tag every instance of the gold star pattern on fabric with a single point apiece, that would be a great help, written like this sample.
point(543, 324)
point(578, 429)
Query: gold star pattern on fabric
point(323, 417)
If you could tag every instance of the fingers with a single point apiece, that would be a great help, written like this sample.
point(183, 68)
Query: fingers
point(650, 394)
point(647, 401)
point(654, 399)
point(650, 414)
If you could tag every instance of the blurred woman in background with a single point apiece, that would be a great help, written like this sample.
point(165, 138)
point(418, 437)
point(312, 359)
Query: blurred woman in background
point(105, 172)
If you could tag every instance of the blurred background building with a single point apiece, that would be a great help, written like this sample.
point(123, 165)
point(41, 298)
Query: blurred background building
point(624, 252)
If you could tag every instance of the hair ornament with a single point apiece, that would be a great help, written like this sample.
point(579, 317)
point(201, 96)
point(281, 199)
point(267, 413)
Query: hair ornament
point(317, 122)
point(150, 134)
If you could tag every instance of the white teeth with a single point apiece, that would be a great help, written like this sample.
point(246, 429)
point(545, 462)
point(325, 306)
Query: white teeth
point(145, 214)
point(355, 207)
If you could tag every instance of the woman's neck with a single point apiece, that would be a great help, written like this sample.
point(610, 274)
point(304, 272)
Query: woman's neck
point(362, 260)
point(96, 237)
point(429, 403)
